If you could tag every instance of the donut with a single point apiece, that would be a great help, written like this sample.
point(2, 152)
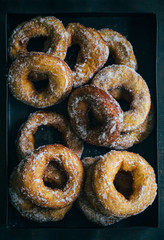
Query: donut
point(31, 176)
point(92, 55)
point(117, 185)
point(50, 27)
point(28, 209)
point(89, 99)
point(26, 142)
point(59, 74)
point(144, 185)
point(118, 77)
point(128, 139)
point(120, 48)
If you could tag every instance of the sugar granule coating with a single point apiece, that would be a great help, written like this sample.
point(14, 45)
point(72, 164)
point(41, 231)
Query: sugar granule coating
point(59, 75)
point(92, 55)
point(119, 47)
point(104, 107)
point(50, 27)
point(123, 77)
point(144, 183)
point(31, 176)
point(26, 142)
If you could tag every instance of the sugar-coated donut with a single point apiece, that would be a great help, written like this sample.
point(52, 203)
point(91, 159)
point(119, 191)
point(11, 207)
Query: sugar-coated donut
point(31, 176)
point(59, 74)
point(109, 195)
point(50, 27)
point(28, 209)
point(89, 98)
point(119, 47)
point(92, 55)
point(26, 141)
point(144, 183)
point(128, 139)
point(125, 78)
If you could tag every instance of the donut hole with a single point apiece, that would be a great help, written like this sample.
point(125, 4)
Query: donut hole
point(72, 54)
point(36, 44)
point(40, 81)
point(54, 176)
point(110, 61)
point(124, 105)
point(47, 135)
point(123, 96)
point(41, 84)
point(123, 183)
point(93, 120)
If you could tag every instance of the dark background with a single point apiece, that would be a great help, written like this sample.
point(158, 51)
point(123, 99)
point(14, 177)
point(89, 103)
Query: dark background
point(149, 6)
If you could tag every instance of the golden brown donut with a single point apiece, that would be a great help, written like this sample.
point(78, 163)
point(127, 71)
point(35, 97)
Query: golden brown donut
point(128, 139)
point(50, 27)
point(28, 209)
point(92, 55)
point(59, 74)
point(89, 98)
point(31, 176)
point(144, 183)
point(117, 185)
point(119, 47)
point(26, 141)
point(120, 76)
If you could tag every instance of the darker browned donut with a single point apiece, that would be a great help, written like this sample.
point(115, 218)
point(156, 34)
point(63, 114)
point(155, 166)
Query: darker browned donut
point(90, 98)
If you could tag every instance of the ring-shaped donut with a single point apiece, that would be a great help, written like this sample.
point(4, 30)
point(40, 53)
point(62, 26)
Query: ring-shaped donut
point(89, 98)
point(144, 183)
point(59, 74)
point(50, 27)
point(121, 76)
point(120, 48)
point(28, 209)
point(31, 176)
point(92, 55)
point(26, 141)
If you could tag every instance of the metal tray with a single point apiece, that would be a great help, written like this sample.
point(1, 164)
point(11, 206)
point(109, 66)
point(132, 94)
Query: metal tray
point(140, 30)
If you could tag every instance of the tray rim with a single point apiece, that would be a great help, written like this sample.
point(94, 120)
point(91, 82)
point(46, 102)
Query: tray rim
point(85, 14)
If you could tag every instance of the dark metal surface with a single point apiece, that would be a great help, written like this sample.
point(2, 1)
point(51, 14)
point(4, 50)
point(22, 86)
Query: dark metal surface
point(75, 6)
